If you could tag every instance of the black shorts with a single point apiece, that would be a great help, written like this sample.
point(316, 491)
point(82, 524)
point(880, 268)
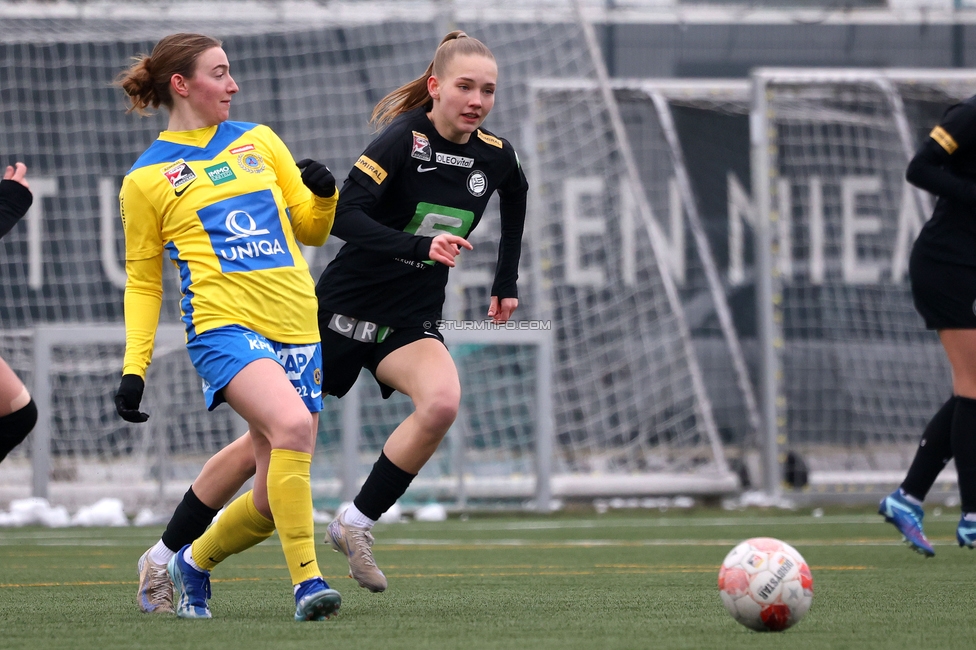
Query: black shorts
point(944, 293)
point(349, 345)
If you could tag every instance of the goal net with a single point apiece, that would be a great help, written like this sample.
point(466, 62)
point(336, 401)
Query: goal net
point(629, 410)
point(850, 374)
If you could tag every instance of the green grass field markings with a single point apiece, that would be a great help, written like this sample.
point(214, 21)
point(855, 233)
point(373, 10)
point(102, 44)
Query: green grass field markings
point(476, 545)
point(468, 572)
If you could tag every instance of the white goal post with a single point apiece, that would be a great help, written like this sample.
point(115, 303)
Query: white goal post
point(849, 375)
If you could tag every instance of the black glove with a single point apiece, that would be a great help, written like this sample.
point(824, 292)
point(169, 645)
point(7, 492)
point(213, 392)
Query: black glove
point(128, 398)
point(317, 178)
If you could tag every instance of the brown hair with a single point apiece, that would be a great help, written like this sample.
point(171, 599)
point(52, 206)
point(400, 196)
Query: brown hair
point(146, 82)
point(411, 95)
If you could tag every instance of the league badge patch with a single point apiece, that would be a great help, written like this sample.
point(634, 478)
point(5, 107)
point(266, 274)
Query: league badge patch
point(179, 176)
point(421, 147)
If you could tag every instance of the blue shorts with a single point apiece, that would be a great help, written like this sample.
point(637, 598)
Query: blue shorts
point(219, 354)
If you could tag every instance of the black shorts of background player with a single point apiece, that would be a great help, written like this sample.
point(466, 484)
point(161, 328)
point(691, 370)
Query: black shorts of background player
point(942, 269)
point(405, 211)
point(18, 414)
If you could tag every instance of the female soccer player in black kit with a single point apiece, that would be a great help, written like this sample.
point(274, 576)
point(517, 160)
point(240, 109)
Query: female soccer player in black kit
point(410, 200)
point(943, 275)
point(18, 415)
point(404, 211)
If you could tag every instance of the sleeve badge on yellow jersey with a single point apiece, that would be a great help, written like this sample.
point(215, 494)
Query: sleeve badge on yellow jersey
point(179, 176)
point(371, 169)
point(421, 147)
point(251, 162)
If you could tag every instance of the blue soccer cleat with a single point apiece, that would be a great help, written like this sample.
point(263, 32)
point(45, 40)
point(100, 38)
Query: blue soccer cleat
point(191, 586)
point(966, 532)
point(315, 601)
point(907, 518)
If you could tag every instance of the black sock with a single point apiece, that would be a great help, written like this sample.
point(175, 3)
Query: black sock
point(15, 426)
point(934, 451)
point(385, 484)
point(189, 521)
point(964, 451)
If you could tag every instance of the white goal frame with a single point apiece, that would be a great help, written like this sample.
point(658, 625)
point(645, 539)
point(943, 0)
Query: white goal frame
point(769, 265)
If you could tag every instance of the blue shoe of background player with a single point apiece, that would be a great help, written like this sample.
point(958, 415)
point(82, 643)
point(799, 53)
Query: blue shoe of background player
point(966, 532)
point(907, 518)
point(191, 587)
point(315, 601)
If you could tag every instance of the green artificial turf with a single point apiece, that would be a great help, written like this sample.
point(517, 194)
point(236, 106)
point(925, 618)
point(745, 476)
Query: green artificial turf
point(628, 579)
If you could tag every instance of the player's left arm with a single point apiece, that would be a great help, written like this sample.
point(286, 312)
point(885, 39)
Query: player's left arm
point(312, 215)
point(512, 194)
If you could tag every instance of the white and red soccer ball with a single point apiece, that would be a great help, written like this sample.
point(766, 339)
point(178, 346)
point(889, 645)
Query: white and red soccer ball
point(765, 584)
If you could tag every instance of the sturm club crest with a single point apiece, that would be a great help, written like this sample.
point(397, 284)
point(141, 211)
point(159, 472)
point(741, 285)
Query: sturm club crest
point(477, 182)
point(421, 146)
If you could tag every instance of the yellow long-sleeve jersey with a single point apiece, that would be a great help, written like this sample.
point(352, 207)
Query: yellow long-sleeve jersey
point(227, 204)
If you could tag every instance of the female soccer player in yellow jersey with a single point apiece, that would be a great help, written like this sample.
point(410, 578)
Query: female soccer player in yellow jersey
point(227, 204)
point(409, 202)
point(18, 414)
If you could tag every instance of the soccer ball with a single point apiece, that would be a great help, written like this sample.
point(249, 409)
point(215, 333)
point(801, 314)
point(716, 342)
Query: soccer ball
point(765, 584)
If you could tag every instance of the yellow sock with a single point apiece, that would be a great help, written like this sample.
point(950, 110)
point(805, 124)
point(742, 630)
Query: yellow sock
point(239, 528)
point(290, 497)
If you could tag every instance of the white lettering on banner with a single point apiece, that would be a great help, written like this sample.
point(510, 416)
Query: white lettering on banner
point(857, 263)
point(41, 187)
point(816, 218)
point(857, 270)
point(576, 225)
point(910, 224)
point(857, 221)
point(741, 211)
point(674, 244)
point(108, 216)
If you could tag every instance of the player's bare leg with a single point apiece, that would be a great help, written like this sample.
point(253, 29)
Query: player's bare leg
point(425, 371)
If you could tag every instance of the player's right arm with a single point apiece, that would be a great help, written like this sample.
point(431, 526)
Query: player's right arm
point(354, 225)
point(144, 282)
point(931, 167)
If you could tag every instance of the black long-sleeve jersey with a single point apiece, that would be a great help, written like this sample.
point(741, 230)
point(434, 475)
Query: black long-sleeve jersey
point(945, 165)
point(409, 186)
point(15, 200)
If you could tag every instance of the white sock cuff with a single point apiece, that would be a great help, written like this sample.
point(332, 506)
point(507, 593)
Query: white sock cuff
point(160, 553)
point(188, 558)
point(351, 516)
